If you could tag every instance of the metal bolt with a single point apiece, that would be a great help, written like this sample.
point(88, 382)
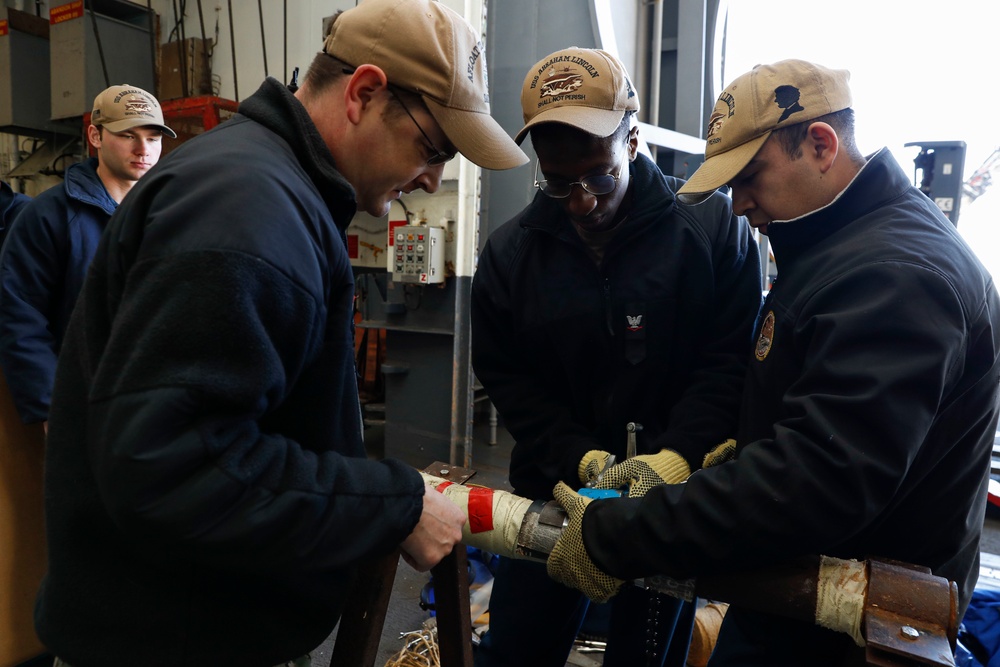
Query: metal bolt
point(444, 472)
point(909, 632)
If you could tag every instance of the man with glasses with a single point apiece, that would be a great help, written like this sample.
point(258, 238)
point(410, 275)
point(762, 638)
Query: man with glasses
point(208, 494)
point(605, 303)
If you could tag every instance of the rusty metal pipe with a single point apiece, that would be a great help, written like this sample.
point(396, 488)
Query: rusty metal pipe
point(904, 615)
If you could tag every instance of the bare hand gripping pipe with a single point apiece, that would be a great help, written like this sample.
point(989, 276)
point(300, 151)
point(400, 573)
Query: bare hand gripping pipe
point(901, 614)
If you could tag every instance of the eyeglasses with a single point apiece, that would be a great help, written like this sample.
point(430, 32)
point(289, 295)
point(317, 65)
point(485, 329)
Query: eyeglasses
point(439, 156)
point(598, 184)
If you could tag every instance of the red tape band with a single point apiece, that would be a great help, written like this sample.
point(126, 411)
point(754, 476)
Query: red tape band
point(442, 486)
point(480, 509)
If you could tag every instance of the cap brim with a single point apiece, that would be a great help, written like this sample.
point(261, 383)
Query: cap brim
point(122, 125)
point(598, 122)
point(478, 137)
point(718, 170)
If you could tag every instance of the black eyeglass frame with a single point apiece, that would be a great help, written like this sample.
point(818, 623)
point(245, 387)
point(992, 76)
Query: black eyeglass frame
point(542, 184)
point(439, 157)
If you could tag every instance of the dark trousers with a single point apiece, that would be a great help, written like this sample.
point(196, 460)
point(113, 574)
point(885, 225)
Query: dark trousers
point(534, 621)
point(751, 639)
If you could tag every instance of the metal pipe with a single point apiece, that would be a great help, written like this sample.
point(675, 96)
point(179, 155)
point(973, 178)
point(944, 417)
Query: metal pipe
point(181, 49)
point(656, 60)
point(284, 64)
point(897, 611)
point(100, 47)
point(204, 50)
point(263, 41)
point(232, 44)
point(152, 41)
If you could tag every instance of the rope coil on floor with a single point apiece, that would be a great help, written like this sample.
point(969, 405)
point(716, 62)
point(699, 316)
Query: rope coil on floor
point(420, 650)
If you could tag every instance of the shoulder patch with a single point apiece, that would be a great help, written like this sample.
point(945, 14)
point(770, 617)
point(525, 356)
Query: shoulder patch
point(766, 337)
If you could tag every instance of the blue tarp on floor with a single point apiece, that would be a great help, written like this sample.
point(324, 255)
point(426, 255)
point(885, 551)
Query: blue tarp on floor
point(979, 634)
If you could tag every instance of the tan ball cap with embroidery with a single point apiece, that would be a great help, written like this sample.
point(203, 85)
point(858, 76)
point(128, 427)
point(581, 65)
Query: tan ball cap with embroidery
point(588, 89)
point(121, 108)
point(755, 104)
point(427, 48)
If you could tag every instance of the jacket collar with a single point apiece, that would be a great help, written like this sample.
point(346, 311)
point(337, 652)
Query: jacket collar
point(274, 107)
point(84, 185)
point(878, 182)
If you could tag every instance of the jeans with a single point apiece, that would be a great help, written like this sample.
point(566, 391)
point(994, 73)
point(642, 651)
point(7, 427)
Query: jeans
point(534, 621)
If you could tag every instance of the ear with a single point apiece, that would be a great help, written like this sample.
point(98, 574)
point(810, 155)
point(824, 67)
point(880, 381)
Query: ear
point(633, 142)
point(822, 144)
point(362, 90)
point(94, 136)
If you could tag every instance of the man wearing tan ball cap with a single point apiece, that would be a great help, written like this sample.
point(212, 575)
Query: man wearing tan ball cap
point(752, 107)
point(421, 50)
point(55, 237)
point(870, 401)
point(209, 496)
point(604, 302)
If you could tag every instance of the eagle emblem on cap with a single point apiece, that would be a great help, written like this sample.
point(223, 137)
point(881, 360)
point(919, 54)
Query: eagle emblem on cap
point(561, 82)
point(137, 104)
point(715, 124)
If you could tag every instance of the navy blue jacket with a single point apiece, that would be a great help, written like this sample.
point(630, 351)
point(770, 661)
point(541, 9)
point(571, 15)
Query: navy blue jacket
point(570, 352)
point(868, 417)
point(10, 204)
point(208, 494)
point(42, 267)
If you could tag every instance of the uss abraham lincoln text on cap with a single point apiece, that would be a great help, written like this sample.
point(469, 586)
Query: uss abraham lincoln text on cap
point(120, 108)
point(764, 99)
point(588, 89)
point(427, 48)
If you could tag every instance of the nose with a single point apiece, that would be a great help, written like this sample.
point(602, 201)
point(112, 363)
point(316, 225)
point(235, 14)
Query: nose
point(580, 202)
point(741, 202)
point(429, 179)
point(140, 147)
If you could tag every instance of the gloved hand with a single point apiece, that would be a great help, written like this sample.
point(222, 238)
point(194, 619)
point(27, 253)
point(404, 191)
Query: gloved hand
point(591, 465)
point(720, 454)
point(569, 563)
point(641, 473)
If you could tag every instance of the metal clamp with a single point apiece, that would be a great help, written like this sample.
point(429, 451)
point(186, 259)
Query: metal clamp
point(911, 616)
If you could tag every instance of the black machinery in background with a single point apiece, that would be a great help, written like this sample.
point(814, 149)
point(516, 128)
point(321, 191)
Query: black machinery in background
point(941, 165)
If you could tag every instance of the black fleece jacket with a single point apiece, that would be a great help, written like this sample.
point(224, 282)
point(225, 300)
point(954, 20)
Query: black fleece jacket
point(868, 417)
point(207, 489)
point(659, 334)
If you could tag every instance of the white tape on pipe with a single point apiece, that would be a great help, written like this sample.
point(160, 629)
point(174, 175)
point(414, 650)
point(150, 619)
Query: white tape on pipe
point(494, 516)
point(840, 596)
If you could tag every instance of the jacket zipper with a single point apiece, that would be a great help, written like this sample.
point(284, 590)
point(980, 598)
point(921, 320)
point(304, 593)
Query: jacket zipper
point(607, 307)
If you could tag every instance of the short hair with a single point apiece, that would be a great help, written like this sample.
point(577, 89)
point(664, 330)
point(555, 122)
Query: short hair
point(790, 138)
point(326, 70)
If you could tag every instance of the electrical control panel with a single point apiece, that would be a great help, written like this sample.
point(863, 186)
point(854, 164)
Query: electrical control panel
point(416, 254)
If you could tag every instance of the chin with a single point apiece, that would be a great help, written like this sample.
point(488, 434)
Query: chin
point(379, 210)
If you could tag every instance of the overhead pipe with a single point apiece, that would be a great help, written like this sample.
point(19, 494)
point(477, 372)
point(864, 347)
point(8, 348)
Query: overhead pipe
point(263, 40)
point(204, 45)
point(232, 44)
point(100, 47)
point(655, 65)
